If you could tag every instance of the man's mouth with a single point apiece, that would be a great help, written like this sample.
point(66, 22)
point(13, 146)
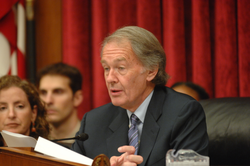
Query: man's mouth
point(50, 111)
point(115, 91)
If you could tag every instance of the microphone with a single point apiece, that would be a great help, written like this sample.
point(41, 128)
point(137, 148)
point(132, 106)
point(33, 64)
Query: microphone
point(80, 137)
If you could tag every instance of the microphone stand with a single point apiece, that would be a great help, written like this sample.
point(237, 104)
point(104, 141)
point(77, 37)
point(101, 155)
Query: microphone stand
point(55, 140)
point(80, 137)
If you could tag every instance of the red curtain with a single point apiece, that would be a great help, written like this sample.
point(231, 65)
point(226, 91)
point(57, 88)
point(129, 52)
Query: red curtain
point(206, 41)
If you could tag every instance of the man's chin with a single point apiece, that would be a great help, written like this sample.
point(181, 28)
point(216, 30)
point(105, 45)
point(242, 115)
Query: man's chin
point(52, 119)
point(117, 103)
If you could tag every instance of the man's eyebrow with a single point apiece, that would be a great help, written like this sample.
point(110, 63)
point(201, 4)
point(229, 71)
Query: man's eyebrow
point(41, 89)
point(103, 61)
point(116, 60)
point(59, 88)
point(120, 59)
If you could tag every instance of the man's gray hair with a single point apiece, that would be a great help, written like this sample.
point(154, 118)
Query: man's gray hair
point(146, 47)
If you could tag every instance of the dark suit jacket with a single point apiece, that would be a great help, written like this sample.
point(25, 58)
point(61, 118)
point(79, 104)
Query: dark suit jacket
point(173, 121)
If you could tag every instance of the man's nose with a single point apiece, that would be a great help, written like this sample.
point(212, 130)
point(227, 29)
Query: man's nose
point(111, 76)
point(48, 99)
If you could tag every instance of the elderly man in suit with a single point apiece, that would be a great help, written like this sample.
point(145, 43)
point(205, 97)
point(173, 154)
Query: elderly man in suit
point(145, 119)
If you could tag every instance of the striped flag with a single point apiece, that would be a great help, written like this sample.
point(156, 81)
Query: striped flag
point(12, 38)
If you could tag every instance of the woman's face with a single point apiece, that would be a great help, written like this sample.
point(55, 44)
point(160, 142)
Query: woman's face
point(16, 114)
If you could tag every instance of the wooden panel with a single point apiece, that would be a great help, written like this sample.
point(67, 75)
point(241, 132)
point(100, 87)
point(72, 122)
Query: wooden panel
point(26, 156)
point(19, 157)
point(48, 22)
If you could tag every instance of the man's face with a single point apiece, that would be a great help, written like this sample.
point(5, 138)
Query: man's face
point(126, 78)
point(58, 96)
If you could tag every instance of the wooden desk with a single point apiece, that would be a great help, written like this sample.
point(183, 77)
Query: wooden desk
point(27, 157)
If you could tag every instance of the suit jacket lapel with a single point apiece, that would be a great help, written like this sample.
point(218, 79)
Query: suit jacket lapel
point(150, 126)
point(119, 137)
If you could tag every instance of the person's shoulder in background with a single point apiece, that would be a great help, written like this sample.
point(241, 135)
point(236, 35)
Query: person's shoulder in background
point(191, 89)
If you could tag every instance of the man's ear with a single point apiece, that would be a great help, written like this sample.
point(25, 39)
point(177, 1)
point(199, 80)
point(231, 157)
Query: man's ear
point(152, 74)
point(78, 98)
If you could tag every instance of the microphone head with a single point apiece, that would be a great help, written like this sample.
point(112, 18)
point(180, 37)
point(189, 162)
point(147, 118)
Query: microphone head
point(82, 137)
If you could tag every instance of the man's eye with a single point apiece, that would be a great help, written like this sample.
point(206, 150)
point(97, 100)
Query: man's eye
point(106, 69)
point(58, 91)
point(122, 70)
point(42, 93)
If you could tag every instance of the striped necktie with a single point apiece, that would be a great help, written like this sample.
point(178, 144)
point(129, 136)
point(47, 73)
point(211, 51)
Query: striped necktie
point(133, 132)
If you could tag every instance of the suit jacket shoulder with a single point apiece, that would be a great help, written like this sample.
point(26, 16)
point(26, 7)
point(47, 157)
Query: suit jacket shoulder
point(173, 121)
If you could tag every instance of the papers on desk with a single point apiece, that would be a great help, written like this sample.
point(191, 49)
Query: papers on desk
point(54, 150)
point(18, 140)
point(45, 147)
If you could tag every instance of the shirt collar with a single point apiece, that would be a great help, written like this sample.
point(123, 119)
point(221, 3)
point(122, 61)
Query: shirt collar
point(140, 112)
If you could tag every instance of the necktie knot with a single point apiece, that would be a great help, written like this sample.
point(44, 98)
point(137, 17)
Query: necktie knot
point(134, 119)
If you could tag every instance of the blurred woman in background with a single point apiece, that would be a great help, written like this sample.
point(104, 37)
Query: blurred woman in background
point(191, 89)
point(21, 110)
